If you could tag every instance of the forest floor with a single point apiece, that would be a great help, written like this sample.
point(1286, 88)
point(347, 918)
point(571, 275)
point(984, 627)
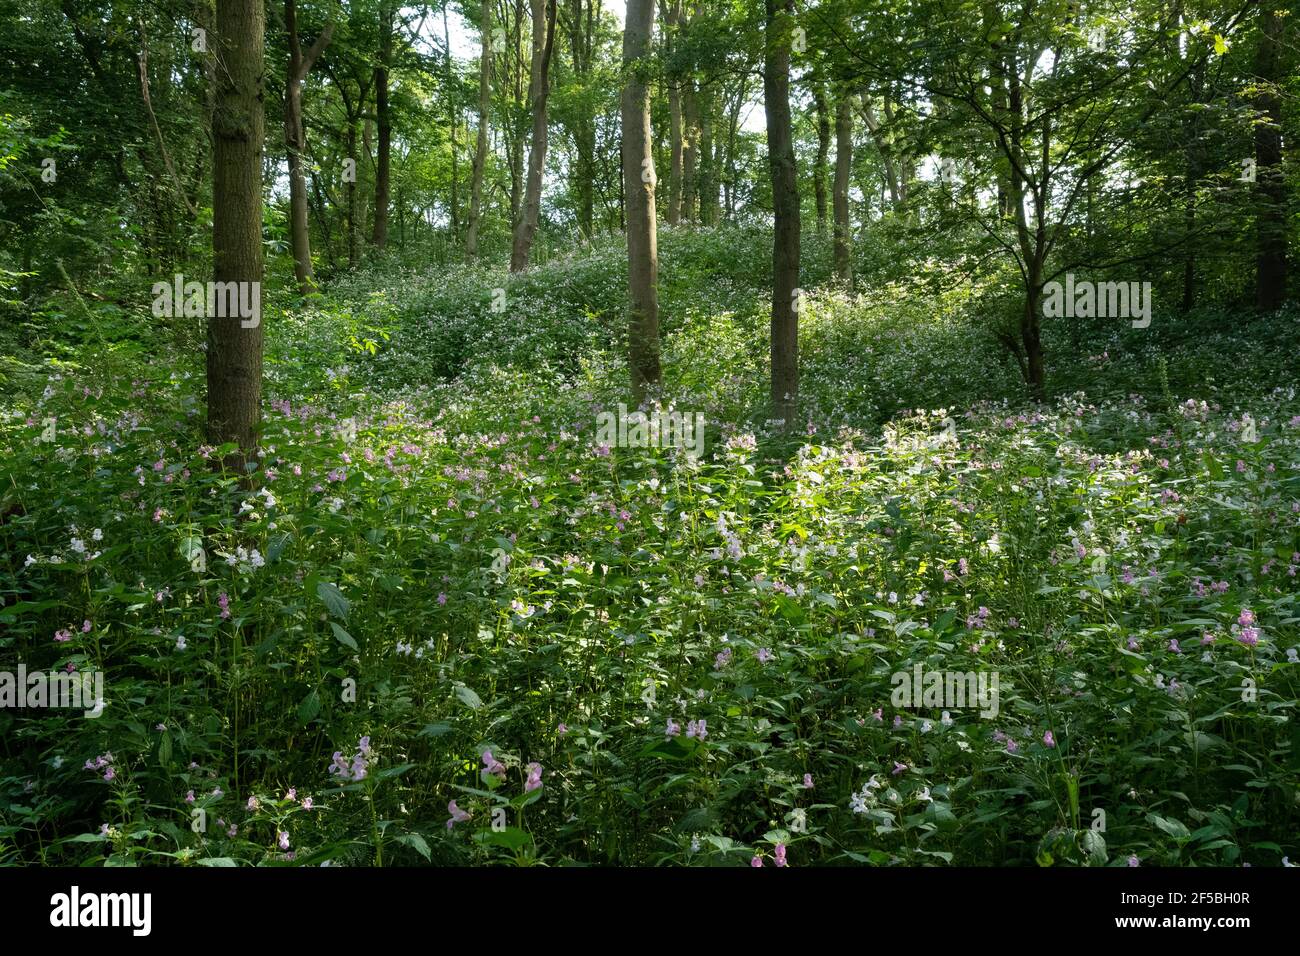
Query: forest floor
point(446, 623)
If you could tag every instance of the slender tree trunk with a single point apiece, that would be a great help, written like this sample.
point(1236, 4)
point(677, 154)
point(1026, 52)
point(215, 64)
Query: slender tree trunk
point(823, 150)
point(234, 352)
point(351, 185)
point(785, 204)
point(379, 237)
point(672, 15)
point(1271, 215)
point(539, 88)
point(455, 122)
point(840, 188)
point(639, 188)
point(481, 147)
point(690, 148)
point(300, 65)
point(708, 176)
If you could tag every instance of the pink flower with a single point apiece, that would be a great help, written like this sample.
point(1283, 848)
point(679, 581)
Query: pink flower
point(780, 854)
point(807, 781)
point(284, 839)
point(562, 730)
point(1048, 739)
point(899, 768)
point(63, 635)
point(756, 862)
point(493, 766)
point(85, 627)
point(457, 815)
point(534, 781)
point(223, 602)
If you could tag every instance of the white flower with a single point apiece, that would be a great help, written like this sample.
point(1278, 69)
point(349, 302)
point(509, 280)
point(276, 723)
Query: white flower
point(180, 642)
point(924, 795)
point(946, 719)
point(97, 535)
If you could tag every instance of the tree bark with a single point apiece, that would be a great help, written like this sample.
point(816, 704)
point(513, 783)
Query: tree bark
point(234, 353)
point(823, 150)
point(843, 252)
point(300, 65)
point(539, 88)
point(1271, 215)
point(672, 16)
point(785, 204)
point(690, 148)
point(481, 147)
point(455, 122)
point(379, 237)
point(639, 188)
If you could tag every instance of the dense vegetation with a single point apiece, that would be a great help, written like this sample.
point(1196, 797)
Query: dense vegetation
point(429, 615)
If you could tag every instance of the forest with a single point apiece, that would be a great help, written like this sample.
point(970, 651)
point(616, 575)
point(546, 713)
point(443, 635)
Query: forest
point(713, 433)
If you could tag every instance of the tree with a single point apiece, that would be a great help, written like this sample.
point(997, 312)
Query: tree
point(639, 189)
point(234, 359)
point(538, 88)
point(1271, 216)
point(300, 65)
point(481, 146)
point(843, 252)
point(785, 204)
point(384, 124)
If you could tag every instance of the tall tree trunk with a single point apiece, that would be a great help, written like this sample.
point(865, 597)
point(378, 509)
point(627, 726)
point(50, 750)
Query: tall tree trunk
point(352, 193)
point(785, 205)
point(671, 12)
point(823, 150)
point(639, 188)
point(708, 175)
point(455, 122)
point(300, 65)
point(582, 40)
point(1271, 215)
point(690, 148)
point(481, 147)
point(539, 88)
point(840, 188)
point(234, 357)
point(379, 237)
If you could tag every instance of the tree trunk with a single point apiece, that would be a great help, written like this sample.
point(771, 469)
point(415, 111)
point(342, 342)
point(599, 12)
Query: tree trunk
point(300, 65)
point(690, 148)
point(785, 204)
point(234, 352)
point(538, 88)
point(455, 121)
point(708, 175)
point(379, 237)
point(672, 15)
point(352, 193)
point(639, 188)
point(481, 147)
point(823, 150)
point(840, 189)
point(1271, 214)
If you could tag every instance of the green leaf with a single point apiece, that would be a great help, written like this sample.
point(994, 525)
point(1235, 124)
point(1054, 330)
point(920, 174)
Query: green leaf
point(333, 599)
point(344, 637)
point(468, 697)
